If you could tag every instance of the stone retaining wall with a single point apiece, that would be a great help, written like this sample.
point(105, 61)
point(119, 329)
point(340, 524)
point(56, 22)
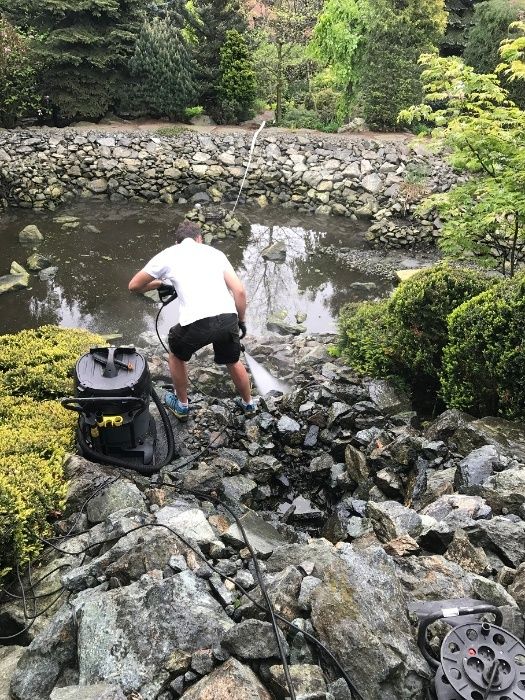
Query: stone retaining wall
point(342, 175)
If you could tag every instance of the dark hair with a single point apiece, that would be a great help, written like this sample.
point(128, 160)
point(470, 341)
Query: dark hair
point(187, 229)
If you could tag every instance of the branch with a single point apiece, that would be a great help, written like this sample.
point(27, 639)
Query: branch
point(490, 173)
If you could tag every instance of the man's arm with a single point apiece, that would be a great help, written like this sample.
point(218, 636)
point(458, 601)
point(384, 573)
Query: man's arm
point(143, 282)
point(236, 287)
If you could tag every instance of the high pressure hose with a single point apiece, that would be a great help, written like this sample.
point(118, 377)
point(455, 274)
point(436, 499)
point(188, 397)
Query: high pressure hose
point(145, 469)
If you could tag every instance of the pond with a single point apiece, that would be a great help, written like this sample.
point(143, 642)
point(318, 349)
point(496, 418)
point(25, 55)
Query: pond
point(94, 261)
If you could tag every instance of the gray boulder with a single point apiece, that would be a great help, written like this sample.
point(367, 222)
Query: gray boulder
point(127, 635)
point(99, 691)
point(360, 610)
point(504, 537)
point(8, 660)
point(262, 536)
point(507, 436)
point(476, 467)
point(253, 639)
point(231, 681)
point(391, 520)
point(504, 491)
point(11, 283)
point(118, 495)
point(30, 234)
point(276, 252)
point(388, 398)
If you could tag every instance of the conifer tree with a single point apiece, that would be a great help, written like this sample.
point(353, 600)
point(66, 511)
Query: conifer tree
point(216, 17)
point(84, 47)
point(161, 66)
point(236, 89)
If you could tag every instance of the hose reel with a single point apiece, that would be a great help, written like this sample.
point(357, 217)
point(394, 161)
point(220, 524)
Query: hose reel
point(479, 660)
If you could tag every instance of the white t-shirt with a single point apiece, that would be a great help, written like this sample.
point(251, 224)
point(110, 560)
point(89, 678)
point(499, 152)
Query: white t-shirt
point(196, 270)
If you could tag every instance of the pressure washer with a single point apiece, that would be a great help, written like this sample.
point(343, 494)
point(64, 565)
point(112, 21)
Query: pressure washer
point(479, 660)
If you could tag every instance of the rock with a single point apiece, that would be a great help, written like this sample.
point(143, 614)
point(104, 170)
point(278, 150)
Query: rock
point(321, 552)
point(275, 252)
point(356, 465)
point(507, 437)
point(404, 275)
point(190, 523)
point(464, 553)
point(238, 489)
point(9, 657)
point(231, 681)
point(436, 578)
point(277, 325)
point(263, 468)
point(30, 234)
point(476, 467)
point(472, 507)
point(388, 398)
point(391, 520)
point(11, 283)
point(372, 183)
point(99, 691)
point(306, 679)
point(308, 585)
point(262, 536)
point(283, 590)
point(360, 610)
point(98, 186)
point(46, 657)
point(37, 262)
point(517, 588)
point(253, 639)
point(502, 536)
point(118, 495)
point(505, 491)
point(119, 632)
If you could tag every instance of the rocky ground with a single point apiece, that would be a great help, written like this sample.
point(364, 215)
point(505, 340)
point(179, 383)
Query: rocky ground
point(354, 507)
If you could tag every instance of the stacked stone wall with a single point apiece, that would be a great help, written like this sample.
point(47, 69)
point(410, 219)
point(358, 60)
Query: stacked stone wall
point(341, 175)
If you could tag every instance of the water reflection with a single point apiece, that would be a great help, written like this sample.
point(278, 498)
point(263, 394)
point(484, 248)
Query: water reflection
point(96, 260)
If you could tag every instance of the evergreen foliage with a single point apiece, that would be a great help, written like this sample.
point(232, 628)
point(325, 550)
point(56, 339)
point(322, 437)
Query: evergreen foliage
point(161, 67)
point(398, 31)
point(485, 132)
point(215, 19)
point(236, 89)
point(36, 433)
point(491, 25)
point(18, 93)
point(84, 47)
point(484, 361)
point(404, 336)
point(459, 20)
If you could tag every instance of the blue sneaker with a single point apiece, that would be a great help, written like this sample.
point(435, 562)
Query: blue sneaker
point(245, 407)
point(172, 402)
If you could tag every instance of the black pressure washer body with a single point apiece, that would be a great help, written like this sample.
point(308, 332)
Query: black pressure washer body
point(112, 395)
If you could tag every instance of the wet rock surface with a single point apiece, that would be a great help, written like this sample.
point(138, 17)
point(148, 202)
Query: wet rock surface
point(352, 523)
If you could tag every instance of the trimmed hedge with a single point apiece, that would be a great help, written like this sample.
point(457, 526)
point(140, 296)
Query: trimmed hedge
point(405, 335)
point(36, 433)
point(419, 309)
point(484, 362)
point(366, 338)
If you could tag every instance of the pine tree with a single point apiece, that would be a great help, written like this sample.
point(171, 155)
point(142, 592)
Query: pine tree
point(236, 89)
point(161, 66)
point(18, 93)
point(389, 73)
point(84, 47)
point(216, 17)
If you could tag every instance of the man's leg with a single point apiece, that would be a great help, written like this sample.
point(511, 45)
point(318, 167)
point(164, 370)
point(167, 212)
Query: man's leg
point(179, 377)
point(241, 380)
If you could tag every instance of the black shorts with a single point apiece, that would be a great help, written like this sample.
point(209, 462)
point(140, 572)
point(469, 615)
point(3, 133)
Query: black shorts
point(222, 331)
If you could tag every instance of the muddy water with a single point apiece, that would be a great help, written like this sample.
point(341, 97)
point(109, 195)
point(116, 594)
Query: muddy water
point(95, 261)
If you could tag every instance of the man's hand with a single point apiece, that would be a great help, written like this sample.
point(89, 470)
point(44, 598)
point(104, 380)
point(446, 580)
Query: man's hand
point(242, 329)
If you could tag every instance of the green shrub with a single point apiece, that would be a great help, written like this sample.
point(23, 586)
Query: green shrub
point(35, 433)
point(191, 112)
point(404, 336)
point(38, 363)
point(365, 338)
point(484, 361)
point(236, 88)
point(419, 309)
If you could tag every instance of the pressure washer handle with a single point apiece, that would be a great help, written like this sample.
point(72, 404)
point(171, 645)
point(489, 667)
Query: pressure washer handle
point(446, 614)
point(90, 404)
point(167, 294)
